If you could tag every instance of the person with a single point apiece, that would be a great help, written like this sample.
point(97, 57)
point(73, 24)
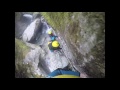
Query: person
point(54, 45)
point(62, 73)
point(52, 36)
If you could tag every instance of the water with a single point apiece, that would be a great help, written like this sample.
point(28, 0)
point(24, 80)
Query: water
point(21, 25)
point(28, 16)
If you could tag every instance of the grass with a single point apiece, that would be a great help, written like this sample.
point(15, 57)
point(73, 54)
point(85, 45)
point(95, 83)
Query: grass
point(20, 48)
point(23, 70)
point(58, 20)
point(20, 52)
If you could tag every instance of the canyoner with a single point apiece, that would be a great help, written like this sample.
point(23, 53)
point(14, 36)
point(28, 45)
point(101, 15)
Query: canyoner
point(54, 45)
point(52, 36)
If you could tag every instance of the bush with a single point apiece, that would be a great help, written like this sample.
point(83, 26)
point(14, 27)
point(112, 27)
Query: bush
point(20, 52)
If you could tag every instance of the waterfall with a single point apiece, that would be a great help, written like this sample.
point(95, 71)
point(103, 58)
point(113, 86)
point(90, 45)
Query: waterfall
point(28, 16)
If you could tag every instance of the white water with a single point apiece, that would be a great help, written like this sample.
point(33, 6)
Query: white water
point(28, 16)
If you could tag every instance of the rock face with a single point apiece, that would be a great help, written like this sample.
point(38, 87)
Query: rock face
point(31, 30)
point(29, 60)
point(22, 20)
point(82, 39)
point(36, 58)
point(21, 24)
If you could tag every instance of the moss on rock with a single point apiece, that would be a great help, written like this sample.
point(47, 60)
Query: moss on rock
point(20, 52)
point(23, 70)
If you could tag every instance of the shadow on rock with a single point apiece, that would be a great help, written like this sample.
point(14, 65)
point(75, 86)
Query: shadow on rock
point(42, 65)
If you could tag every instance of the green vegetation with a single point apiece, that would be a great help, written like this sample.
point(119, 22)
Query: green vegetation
point(20, 52)
point(23, 70)
point(58, 20)
point(20, 49)
point(99, 15)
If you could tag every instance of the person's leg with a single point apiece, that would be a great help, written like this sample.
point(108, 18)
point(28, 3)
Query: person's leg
point(69, 72)
point(55, 73)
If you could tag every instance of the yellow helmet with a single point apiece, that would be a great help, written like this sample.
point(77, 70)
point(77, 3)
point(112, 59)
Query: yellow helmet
point(55, 44)
point(49, 32)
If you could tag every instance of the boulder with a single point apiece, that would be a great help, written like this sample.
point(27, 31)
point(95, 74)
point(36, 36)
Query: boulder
point(31, 30)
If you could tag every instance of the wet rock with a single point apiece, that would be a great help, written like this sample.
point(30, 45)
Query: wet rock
point(36, 15)
point(29, 60)
point(31, 30)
